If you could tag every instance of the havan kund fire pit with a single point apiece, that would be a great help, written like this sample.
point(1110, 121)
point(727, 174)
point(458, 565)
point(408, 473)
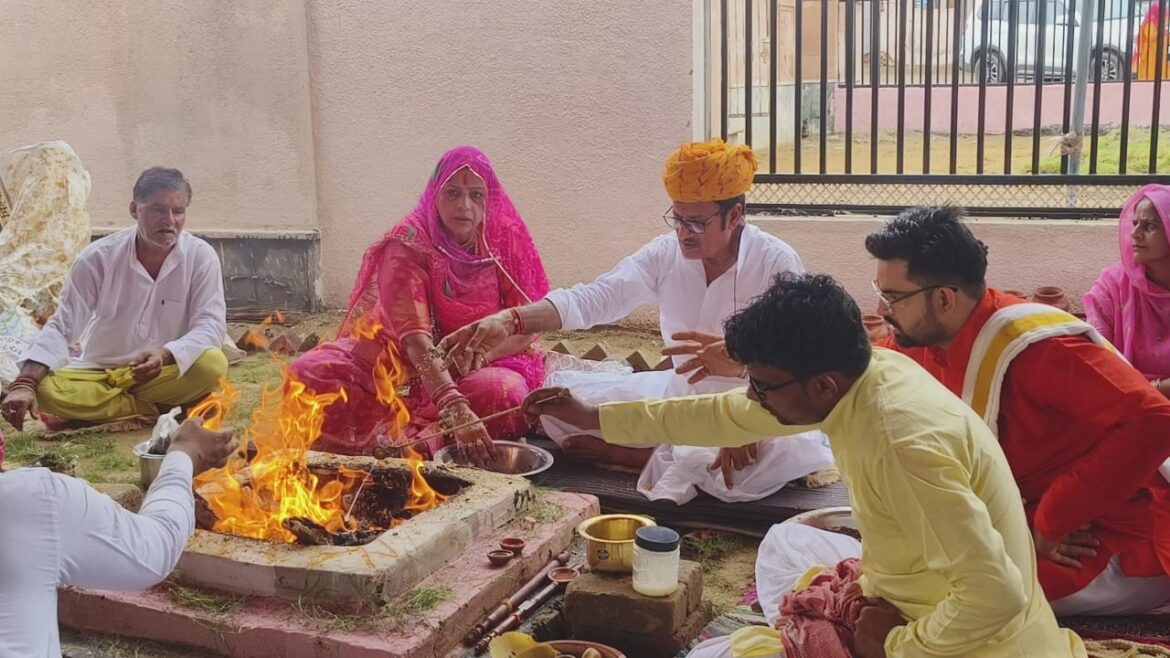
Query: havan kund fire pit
point(280, 519)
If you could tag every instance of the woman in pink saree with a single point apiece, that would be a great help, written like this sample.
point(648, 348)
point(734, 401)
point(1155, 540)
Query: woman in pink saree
point(1130, 302)
point(462, 254)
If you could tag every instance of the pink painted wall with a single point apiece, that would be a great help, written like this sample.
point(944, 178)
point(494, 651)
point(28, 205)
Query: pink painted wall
point(1023, 254)
point(1023, 107)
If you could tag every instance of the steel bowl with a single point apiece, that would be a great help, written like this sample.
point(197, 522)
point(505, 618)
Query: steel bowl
point(148, 464)
point(833, 519)
point(512, 458)
point(609, 540)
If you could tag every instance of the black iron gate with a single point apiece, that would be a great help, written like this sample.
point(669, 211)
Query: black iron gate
point(875, 105)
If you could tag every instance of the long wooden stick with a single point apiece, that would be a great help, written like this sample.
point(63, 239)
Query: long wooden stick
point(498, 414)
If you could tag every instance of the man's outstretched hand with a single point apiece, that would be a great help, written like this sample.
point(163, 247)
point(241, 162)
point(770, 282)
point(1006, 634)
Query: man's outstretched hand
point(711, 358)
point(479, 337)
point(560, 404)
point(730, 460)
point(207, 449)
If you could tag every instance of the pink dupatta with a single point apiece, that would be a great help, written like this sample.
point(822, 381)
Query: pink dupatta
point(1129, 310)
point(503, 245)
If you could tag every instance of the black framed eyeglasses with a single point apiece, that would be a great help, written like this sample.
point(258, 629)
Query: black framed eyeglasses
point(888, 301)
point(762, 390)
point(696, 226)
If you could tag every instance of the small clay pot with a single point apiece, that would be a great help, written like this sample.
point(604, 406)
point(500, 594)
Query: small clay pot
point(500, 558)
point(513, 544)
point(875, 326)
point(1052, 296)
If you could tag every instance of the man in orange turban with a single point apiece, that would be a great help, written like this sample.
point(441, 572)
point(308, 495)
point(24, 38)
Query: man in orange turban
point(711, 264)
point(709, 171)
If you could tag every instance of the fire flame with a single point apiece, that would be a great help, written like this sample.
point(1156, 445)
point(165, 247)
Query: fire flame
point(254, 498)
point(255, 338)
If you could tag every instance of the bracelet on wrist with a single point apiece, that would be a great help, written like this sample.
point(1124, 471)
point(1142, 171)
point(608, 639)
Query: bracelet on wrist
point(517, 321)
point(22, 385)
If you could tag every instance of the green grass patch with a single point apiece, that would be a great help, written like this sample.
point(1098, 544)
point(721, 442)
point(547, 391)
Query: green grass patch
point(416, 603)
point(20, 448)
point(1109, 154)
point(209, 603)
point(712, 549)
point(402, 611)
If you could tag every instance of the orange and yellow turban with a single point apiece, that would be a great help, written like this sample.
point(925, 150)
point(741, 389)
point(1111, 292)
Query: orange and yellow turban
point(709, 171)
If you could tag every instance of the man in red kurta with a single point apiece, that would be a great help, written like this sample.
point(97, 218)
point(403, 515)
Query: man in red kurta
point(1083, 431)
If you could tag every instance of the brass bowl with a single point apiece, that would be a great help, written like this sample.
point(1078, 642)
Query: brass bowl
point(609, 540)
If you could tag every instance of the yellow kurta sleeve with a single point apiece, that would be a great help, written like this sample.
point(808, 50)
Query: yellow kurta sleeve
point(944, 520)
point(723, 420)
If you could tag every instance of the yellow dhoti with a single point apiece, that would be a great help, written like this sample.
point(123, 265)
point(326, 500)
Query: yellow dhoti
point(110, 395)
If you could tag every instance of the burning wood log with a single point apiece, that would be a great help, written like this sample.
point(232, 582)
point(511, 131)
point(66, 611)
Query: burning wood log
point(205, 519)
point(309, 533)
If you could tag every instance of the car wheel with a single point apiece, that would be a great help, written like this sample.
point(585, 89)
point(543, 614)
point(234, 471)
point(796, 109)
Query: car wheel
point(1111, 68)
point(995, 69)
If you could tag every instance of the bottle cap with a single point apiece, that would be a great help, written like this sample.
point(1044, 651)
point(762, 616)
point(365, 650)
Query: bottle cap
point(656, 538)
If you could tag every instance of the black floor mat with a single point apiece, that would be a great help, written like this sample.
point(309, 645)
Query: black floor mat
point(617, 493)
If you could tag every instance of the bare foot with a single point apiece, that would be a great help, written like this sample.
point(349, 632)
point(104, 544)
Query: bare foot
point(591, 448)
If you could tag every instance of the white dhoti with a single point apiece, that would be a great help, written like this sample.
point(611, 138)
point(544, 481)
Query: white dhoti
point(1113, 593)
point(678, 473)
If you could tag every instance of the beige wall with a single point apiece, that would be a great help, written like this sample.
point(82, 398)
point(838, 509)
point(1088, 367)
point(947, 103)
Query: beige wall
point(300, 115)
point(577, 104)
point(217, 89)
point(1022, 255)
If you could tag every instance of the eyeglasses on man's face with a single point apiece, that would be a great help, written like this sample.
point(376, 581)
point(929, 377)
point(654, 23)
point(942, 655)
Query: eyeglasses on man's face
point(692, 224)
point(762, 390)
point(888, 299)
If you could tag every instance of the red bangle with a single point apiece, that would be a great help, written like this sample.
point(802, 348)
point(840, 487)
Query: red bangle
point(27, 381)
point(442, 390)
point(517, 321)
point(450, 399)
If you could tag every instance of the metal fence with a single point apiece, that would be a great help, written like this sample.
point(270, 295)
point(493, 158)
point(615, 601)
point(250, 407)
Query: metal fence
point(874, 105)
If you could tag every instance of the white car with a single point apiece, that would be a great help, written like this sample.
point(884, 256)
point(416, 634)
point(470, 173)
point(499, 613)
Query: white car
point(1056, 32)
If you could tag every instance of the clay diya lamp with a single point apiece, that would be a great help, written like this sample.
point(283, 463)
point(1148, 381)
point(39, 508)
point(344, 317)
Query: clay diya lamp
point(1052, 296)
point(500, 558)
point(513, 544)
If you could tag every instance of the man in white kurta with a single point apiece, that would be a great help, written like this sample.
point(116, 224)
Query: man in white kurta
point(57, 530)
point(713, 264)
point(146, 305)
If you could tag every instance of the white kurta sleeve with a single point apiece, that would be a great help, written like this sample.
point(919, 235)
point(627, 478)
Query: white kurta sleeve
point(633, 282)
point(104, 546)
point(206, 308)
point(78, 302)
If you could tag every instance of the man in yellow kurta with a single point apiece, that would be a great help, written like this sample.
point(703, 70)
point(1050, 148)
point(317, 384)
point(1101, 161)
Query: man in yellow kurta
point(945, 537)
